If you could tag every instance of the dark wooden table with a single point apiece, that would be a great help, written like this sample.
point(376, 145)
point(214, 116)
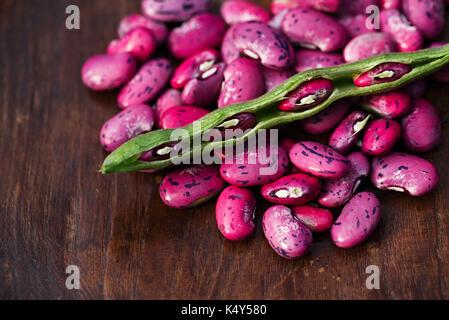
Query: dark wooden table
point(56, 210)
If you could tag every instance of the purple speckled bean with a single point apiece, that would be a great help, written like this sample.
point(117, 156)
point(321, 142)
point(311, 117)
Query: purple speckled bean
point(229, 52)
point(388, 105)
point(140, 42)
point(170, 98)
point(147, 84)
point(368, 45)
point(181, 116)
point(355, 25)
point(345, 136)
point(421, 128)
point(203, 31)
point(173, 10)
point(427, 15)
point(319, 160)
point(285, 234)
point(408, 38)
point(336, 193)
point(443, 74)
point(326, 120)
point(385, 72)
point(188, 188)
point(313, 217)
point(295, 189)
point(307, 95)
point(416, 89)
point(391, 4)
point(237, 11)
point(108, 72)
point(127, 125)
point(314, 29)
point(274, 78)
point(243, 81)
point(357, 221)
point(259, 41)
point(132, 21)
point(255, 167)
point(356, 6)
point(404, 172)
point(235, 213)
point(313, 59)
point(380, 137)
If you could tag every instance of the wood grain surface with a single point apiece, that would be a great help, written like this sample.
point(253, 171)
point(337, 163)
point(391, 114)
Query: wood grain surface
point(56, 210)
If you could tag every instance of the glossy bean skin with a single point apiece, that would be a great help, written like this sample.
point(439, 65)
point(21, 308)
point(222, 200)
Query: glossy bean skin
point(140, 42)
point(368, 45)
point(259, 41)
point(396, 71)
point(300, 27)
point(319, 160)
point(307, 95)
point(294, 189)
point(188, 188)
point(255, 167)
point(380, 137)
point(345, 136)
point(238, 11)
point(357, 221)
point(285, 234)
point(173, 10)
point(126, 125)
point(181, 116)
point(336, 193)
point(390, 105)
point(408, 38)
point(274, 78)
point(355, 25)
point(194, 67)
point(107, 72)
point(326, 120)
point(427, 15)
point(147, 84)
point(229, 51)
point(317, 219)
point(276, 20)
point(421, 127)
point(203, 31)
point(404, 172)
point(391, 4)
point(314, 59)
point(235, 213)
point(243, 81)
point(170, 98)
point(133, 21)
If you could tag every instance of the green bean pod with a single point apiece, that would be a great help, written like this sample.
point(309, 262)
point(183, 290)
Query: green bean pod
point(421, 63)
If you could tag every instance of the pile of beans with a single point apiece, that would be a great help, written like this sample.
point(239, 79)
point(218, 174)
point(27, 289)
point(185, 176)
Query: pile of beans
point(249, 51)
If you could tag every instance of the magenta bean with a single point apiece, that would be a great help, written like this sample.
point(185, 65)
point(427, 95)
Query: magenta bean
point(237, 11)
point(345, 136)
point(336, 193)
point(391, 4)
point(322, 5)
point(416, 89)
point(243, 81)
point(313, 59)
point(390, 105)
point(229, 52)
point(173, 10)
point(276, 21)
point(277, 6)
point(357, 221)
point(242, 121)
point(301, 27)
point(319, 160)
point(307, 95)
point(427, 15)
point(235, 213)
point(194, 67)
point(355, 25)
point(140, 42)
point(313, 217)
point(408, 38)
point(147, 84)
point(203, 31)
point(259, 41)
point(127, 125)
point(404, 172)
point(295, 189)
point(274, 78)
point(385, 72)
point(188, 188)
point(357, 6)
point(421, 128)
point(287, 144)
point(170, 98)
point(133, 21)
point(443, 74)
point(181, 116)
point(108, 72)
point(380, 137)
point(257, 166)
point(368, 45)
point(327, 119)
point(285, 234)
